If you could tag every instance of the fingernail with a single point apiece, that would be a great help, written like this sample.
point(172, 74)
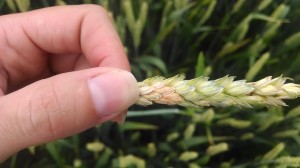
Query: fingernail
point(112, 93)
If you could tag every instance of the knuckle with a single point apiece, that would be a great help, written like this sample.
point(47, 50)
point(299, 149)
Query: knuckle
point(95, 8)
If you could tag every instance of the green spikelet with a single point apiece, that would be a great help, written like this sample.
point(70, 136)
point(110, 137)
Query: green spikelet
point(188, 155)
point(274, 152)
point(216, 149)
point(289, 161)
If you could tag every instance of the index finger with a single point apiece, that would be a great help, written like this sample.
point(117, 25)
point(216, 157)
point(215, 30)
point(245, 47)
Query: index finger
point(85, 29)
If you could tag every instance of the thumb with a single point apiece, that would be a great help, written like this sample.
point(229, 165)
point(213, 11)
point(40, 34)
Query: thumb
point(63, 105)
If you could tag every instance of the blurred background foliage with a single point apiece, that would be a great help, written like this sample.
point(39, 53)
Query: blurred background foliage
point(246, 39)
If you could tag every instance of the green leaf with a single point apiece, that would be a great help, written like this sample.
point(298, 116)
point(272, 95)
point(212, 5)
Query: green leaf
point(135, 26)
point(154, 61)
point(241, 30)
point(292, 42)
point(230, 47)
point(2, 3)
point(200, 65)
point(259, 16)
point(13, 161)
point(264, 4)
point(60, 2)
point(177, 14)
point(193, 141)
point(104, 158)
point(144, 113)
point(23, 5)
point(11, 5)
point(164, 32)
point(295, 112)
point(130, 125)
point(238, 5)
point(294, 66)
point(54, 151)
point(255, 69)
point(281, 11)
point(208, 12)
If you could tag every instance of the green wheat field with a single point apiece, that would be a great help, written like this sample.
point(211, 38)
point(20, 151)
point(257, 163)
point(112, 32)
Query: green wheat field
point(248, 39)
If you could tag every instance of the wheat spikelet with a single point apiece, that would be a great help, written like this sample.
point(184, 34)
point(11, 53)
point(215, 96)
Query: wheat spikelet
point(221, 92)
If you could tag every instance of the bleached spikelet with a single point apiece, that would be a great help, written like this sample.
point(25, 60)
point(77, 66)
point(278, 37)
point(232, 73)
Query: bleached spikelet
point(222, 92)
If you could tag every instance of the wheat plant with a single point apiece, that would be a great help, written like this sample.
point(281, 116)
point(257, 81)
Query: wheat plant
point(221, 92)
point(201, 38)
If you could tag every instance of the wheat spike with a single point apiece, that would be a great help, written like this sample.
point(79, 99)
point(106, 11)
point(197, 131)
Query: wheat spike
point(221, 92)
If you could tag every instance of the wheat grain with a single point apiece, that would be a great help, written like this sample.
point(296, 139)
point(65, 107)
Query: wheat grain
point(222, 92)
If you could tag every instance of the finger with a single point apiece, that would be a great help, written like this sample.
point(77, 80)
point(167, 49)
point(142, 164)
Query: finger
point(3, 79)
point(71, 30)
point(63, 105)
point(89, 30)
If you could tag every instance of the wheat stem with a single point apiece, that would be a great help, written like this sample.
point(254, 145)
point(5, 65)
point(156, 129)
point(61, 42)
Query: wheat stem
point(221, 92)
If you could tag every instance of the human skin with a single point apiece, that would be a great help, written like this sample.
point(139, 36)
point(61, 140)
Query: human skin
point(62, 70)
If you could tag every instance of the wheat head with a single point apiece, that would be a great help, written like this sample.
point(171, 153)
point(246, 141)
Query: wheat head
point(221, 92)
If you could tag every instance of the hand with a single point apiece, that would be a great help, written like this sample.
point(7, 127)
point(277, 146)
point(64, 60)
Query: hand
point(62, 71)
